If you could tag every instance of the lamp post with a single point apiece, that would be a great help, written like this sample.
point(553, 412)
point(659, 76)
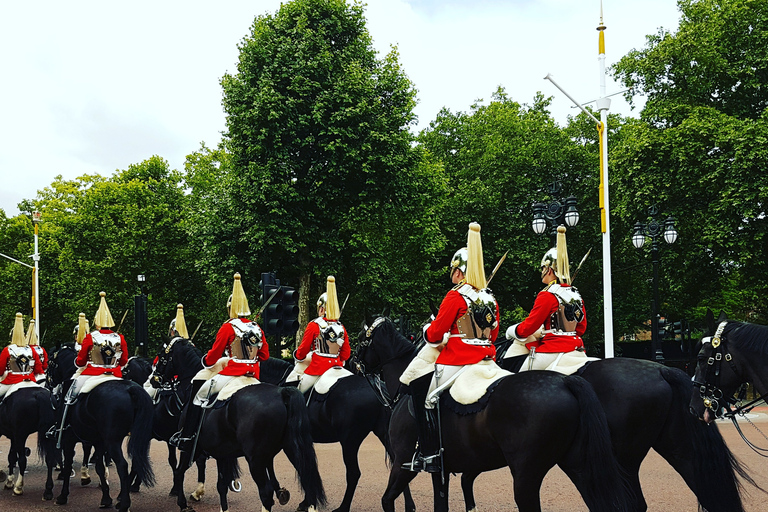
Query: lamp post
point(36, 217)
point(557, 212)
point(140, 316)
point(655, 230)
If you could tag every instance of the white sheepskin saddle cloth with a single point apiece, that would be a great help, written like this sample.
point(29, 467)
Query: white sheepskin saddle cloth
point(19, 385)
point(474, 381)
point(421, 365)
point(566, 363)
point(235, 385)
point(95, 380)
point(329, 378)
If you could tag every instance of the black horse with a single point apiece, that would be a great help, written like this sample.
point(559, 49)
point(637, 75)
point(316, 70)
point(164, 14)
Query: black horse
point(26, 411)
point(646, 404)
point(730, 355)
point(256, 423)
point(531, 422)
point(347, 414)
point(61, 368)
point(103, 418)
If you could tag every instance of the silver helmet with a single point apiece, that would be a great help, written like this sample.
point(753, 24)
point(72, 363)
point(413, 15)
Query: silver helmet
point(322, 301)
point(549, 260)
point(459, 261)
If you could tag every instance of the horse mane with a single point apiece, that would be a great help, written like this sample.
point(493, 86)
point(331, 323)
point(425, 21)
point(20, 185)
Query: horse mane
point(274, 370)
point(189, 358)
point(400, 344)
point(750, 337)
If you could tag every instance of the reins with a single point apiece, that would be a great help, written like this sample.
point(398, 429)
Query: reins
point(372, 375)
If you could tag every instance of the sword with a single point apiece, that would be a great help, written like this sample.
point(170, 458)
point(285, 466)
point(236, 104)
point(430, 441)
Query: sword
point(121, 321)
point(579, 267)
point(342, 306)
point(496, 269)
point(269, 300)
point(198, 328)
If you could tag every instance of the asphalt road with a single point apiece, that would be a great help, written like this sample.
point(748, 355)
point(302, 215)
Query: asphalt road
point(663, 488)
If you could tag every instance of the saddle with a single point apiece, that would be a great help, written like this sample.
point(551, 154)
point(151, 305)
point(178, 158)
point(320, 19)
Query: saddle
point(329, 379)
point(19, 385)
point(473, 383)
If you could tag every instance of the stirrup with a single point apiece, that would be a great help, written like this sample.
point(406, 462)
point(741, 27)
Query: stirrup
point(182, 443)
point(51, 432)
point(416, 464)
point(432, 464)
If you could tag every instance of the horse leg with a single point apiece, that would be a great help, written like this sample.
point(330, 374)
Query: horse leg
point(260, 475)
point(68, 454)
point(85, 476)
point(50, 463)
point(115, 453)
point(18, 487)
point(12, 458)
point(283, 494)
point(172, 462)
point(467, 483)
point(397, 483)
point(440, 489)
point(200, 491)
point(527, 485)
point(178, 482)
point(222, 486)
point(101, 471)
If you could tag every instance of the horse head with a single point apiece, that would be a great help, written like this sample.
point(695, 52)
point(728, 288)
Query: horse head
point(725, 353)
point(178, 360)
point(61, 365)
point(137, 369)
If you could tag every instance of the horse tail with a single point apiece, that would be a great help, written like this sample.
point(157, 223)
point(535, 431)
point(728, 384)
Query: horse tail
point(603, 485)
point(46, 419)
point(715, 468)
point(141, 434)
point(298, 446)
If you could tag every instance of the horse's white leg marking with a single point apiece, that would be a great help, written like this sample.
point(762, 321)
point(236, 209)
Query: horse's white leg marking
point(18, 489)
point(9, 481)
point(199, 492)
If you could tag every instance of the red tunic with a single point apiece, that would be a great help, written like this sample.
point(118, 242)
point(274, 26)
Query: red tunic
point(43, 356)
point(84, 356)
point(456, 352)
point(544, 307)
point(319, 363)
point(15, 378)
point(223, 347)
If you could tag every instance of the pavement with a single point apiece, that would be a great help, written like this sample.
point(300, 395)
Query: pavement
point(756, 415)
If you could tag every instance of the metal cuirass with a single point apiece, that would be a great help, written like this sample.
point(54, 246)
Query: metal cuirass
point(570, 311)
point(475, 326)
point(106, 350)
point(326, 343)
point(21, 360)
point(247, 342)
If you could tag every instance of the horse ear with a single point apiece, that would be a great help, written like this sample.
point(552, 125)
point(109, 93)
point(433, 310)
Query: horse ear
point(368, 319)
point(386, 311)
point(709, 319)
point(722, 317)
point(433, 308)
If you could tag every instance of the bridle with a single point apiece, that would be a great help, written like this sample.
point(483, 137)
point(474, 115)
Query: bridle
point(709, 389)
point(712, 395)
point(372, 374)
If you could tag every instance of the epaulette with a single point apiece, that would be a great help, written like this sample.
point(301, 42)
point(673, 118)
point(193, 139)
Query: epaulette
point(461, 283)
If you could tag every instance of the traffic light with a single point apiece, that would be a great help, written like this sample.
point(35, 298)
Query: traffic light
point(662, 328)
point(290, 313)
point(271, 304)
point(680, 329)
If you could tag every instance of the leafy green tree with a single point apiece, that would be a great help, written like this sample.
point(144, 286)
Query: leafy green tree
point(699, 154)
point(322, 176)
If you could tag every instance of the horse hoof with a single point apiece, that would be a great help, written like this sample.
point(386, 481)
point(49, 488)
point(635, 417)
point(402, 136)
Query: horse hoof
point(135, 488)
point(188, 509)
point(283, 496)
point(47, 496)
point(85, 481)
point(173, 493)
point(27, 451)
point(18, 491)
point(61, 501)
point(106, 503)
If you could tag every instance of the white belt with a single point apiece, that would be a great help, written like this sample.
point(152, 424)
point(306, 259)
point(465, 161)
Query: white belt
point(560, 333)
point(472, 341)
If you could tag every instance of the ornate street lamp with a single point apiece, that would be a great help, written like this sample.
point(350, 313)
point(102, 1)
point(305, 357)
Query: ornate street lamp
point(36, 218)
point(557, 212)
point(655, 230)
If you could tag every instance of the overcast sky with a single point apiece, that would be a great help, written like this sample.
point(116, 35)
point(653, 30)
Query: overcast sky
point(94, 86)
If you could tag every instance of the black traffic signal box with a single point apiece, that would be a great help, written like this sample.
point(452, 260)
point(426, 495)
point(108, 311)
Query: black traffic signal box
point(290, 314)
point(271, 303)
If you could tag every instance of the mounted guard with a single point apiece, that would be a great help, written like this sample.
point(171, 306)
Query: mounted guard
point(325, 344)
point(18, 362)
point(463, 332)
point(42, 354)
point(234, 359)
point(101, 356)
point(550, 338)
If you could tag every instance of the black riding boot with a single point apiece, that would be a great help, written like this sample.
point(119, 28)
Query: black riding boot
point(184, 438)
point(427, 457)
